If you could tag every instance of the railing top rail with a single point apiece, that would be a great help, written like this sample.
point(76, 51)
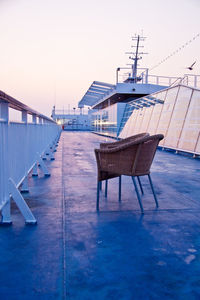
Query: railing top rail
point(17, 105)
point(161, 76)
point(194, 75)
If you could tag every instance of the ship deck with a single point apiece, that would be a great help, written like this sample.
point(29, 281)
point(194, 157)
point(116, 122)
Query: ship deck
point(76, 253)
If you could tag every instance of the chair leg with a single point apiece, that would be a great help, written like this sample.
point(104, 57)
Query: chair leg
point(100, 185)
point(140, 184)
point(120, 189)
point(154, 194)
point(138, 194)
point(106, 188)
point(98, 189)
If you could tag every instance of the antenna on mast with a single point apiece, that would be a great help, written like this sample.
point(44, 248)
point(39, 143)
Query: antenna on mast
point(135, 56)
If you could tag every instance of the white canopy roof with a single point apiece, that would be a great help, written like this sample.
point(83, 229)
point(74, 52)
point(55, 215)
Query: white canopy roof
point(97, 91)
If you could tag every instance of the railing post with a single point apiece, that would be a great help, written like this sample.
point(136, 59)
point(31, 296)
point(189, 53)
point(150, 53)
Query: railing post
point(24, 116)
point(4, 172)
point(34, 119)
point(147, 76)
point(195, 81)
point(24, 187)
point(35, 168)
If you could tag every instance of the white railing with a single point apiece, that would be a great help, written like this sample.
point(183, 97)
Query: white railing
point(63, 112)
point(191, 80)
point(22, 147)
point(161, 80)
point(145, 78)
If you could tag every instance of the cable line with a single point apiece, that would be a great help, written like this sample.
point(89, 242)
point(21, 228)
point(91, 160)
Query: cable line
point(175, 52)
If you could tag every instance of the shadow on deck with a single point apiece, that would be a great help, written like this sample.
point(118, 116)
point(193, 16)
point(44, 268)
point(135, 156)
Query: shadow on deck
point(76, 253)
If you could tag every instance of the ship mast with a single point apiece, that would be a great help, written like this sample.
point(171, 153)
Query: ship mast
point(134, 66)
point(135, 56)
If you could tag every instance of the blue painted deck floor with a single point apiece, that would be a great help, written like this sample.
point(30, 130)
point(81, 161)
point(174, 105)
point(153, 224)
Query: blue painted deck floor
point(76, 253)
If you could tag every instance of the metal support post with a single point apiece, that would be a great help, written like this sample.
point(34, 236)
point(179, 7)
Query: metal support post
point(24, 187)
point(35, 170)
point(147, 76)
point(24, 116)
point(46, 153)
point(34, 120)
point(44, 156)
point(52, 156)
point(21, 204)
point(54, 145)
point(6, 215)
point(4, 189)
point(43, 166)
point(51, 153)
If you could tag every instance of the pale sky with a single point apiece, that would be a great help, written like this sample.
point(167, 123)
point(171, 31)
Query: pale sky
point(51, 51)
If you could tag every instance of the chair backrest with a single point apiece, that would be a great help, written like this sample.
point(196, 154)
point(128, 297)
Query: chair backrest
point(124, 141)
point(145, 154)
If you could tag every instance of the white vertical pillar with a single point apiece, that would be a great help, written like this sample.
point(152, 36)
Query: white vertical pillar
point(4, 172)
point(147, 76)
point(24, 116)
point(24, 187)
point(195, 81)
point(35, 170)
point(4, 113)
point(34, 120)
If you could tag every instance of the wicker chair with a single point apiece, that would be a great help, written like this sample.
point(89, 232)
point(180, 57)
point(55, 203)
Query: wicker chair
point(132, 158)
point(115, 144)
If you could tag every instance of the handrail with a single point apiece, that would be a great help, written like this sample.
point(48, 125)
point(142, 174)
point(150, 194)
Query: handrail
point(17, 105)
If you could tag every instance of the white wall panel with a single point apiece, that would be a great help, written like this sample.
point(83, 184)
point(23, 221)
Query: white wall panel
point(167, 111)
point(155, 117)
point(146, 118)
point(189, 139)
point(178, 117)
